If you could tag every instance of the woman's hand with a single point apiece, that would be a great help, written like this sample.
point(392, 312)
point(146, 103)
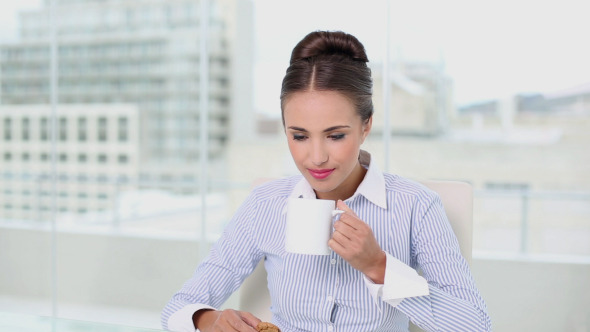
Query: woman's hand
point(354, 241)
point(224, 321)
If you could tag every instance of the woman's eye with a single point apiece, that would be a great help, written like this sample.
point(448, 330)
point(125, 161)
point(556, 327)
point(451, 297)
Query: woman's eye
point(337, 137)
point(299, 137)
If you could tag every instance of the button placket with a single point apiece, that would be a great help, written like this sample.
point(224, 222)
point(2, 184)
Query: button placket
point(333, 292)
point(332, 277)
point(335, 277)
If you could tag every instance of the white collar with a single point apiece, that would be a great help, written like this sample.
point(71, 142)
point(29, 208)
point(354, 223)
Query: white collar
point(372, 187)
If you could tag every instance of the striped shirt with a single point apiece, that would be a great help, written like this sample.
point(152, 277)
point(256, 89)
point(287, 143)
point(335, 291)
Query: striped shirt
point(324, 293)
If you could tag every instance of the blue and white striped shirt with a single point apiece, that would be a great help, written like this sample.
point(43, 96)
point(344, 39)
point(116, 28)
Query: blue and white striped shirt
point(324, 293)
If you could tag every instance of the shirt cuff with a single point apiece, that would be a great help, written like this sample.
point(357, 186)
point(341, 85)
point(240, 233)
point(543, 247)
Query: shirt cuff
point(401, 281)
point(182, 320)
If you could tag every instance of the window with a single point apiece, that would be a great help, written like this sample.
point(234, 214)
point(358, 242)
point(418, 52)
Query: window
point(122, 84)
point(63, 129)
point(82, 134)
point(123, 130)
point(102, 129)
point(26, 130)
point(507, 186)
point(44, 129)
point(7, 156)
point(7, 129)
point(25, 156)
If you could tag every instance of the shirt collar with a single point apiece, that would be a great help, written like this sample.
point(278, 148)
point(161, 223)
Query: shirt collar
point(372, 187)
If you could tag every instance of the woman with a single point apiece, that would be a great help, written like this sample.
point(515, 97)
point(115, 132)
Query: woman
point(390, 227)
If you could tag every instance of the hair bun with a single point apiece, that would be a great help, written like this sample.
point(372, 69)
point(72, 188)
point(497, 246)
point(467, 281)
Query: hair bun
point(319, 43)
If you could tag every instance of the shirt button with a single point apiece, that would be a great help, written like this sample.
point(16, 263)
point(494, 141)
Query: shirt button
point(330, 328)
point(333, 261)
point(330, 298)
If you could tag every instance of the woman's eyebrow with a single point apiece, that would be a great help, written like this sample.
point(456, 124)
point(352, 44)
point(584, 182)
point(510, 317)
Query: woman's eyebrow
point(325, 130)
point(335, 128)
point(297, 128)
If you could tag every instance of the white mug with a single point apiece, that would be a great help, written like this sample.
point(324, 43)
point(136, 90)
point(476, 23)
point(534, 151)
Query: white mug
point(309, 225)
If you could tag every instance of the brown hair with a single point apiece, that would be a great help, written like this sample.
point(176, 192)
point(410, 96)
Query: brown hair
point(330, 61)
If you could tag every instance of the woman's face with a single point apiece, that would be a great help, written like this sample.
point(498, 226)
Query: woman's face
point(325, 133)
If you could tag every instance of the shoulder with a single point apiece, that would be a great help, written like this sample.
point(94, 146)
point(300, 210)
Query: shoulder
point(275, 188)
point(396, 185)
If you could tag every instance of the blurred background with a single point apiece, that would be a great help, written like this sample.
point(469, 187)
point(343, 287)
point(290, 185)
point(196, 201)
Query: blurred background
point(131, 130)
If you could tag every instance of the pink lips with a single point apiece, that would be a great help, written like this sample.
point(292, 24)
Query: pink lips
point(320, 173)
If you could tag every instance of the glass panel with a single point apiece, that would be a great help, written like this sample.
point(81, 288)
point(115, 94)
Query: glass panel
point(467, 105)
point(470, 97)
point(25, 242)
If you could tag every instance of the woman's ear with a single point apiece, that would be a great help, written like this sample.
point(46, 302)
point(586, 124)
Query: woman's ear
point(367, 127)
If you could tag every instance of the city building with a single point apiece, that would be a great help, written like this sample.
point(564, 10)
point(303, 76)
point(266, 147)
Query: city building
point(96, 151)
point(140, 52)
point(421, 100)
point(572, 101)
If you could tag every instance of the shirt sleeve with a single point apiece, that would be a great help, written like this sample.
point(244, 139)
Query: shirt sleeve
point(231, 259)
point(400, 281)
point(453, 302)
point(182, 320)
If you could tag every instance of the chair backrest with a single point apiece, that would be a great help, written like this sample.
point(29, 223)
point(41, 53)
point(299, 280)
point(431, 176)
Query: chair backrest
point(457, 199)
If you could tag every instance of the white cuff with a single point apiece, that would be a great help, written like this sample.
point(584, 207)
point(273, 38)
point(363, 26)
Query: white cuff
point(401, 281)
point(182, 320)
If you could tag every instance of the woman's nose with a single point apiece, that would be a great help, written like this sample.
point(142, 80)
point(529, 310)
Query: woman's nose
point(319, 154)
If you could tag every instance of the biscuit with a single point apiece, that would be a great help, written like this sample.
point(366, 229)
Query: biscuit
point(267, 327)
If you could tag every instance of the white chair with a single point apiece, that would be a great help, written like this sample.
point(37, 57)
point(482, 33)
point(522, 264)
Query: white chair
point(457, 199)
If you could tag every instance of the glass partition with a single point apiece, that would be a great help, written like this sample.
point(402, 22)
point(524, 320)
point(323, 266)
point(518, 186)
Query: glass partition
point(132, 130)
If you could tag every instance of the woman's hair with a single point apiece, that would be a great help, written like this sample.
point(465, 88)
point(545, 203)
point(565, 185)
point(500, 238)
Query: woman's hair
point(330, 61)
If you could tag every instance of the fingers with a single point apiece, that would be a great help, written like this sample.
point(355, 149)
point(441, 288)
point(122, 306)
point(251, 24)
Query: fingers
point(250, 319)
point(344, 228)
point(342, 206)
point(336, 246)
point(349, 217)
point(342, 237)
point(232, 320)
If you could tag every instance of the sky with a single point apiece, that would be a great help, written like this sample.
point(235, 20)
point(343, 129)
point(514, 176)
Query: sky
point(491, 49)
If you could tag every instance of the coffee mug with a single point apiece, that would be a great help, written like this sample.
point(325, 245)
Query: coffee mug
point(309, 225)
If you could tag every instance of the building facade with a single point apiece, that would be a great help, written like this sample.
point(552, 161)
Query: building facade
point(421, 99)
point(95, 156)
point(140, 52)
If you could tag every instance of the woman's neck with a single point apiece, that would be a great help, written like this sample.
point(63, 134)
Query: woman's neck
point(348, 187)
